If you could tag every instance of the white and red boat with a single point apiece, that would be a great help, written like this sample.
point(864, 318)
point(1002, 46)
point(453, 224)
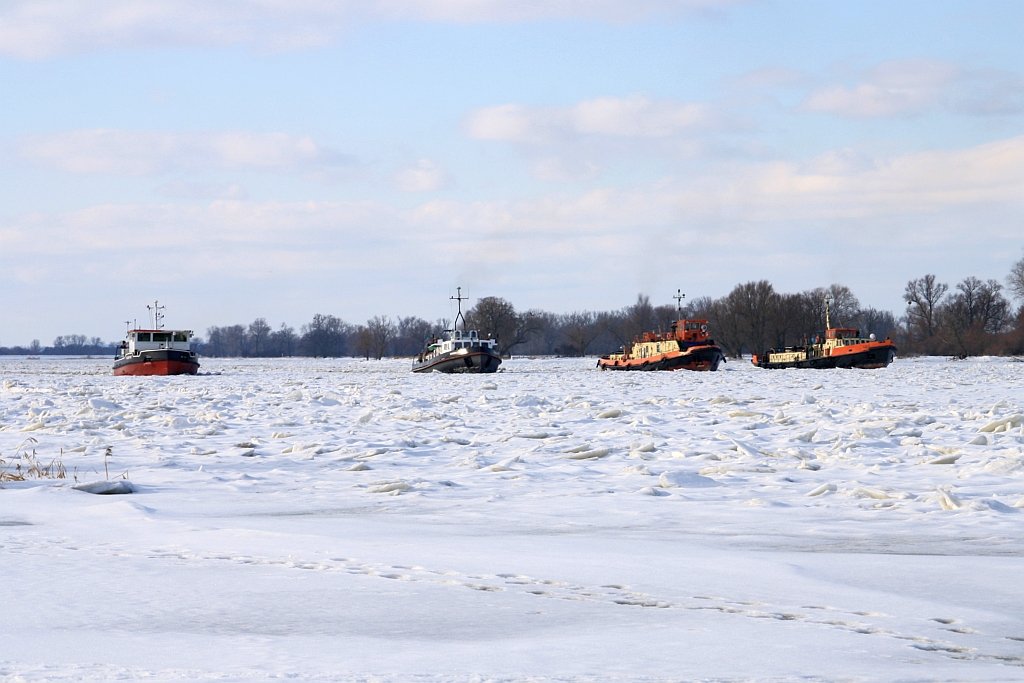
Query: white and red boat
point(156, 351)
point(686, 346)
point(842, 347)
point(458, 350)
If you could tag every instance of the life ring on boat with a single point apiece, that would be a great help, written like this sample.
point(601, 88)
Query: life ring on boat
point(704, 328)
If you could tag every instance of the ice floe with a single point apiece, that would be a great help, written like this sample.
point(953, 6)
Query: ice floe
point(316, 519)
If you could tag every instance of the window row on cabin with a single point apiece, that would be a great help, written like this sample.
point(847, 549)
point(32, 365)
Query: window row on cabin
point(161, 336)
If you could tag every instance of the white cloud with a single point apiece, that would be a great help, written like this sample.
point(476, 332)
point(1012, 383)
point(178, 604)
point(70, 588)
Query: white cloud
point(198, 190)
point(737, 209)
point(203, 239)
point(837, 185)
point(35, 29)
point(423, 176)
point(144, 152)
point(596, 248)
point(618, 117)
point(261, 150)
point(774, 77)
point(582, 141)
point(988, 92)
point(506, 122)
point(869, 100)
point(503, 10)
point(908, 189)
point(636, 116)
point(38, 29)
point(564, 169)
point(912, 87)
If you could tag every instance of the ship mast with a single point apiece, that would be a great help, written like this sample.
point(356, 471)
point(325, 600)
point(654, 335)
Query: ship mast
point(158, 316)
point(459, 298)
point(679, 302)
point(828, 322)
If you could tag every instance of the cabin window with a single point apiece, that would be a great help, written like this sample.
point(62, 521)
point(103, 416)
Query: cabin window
point(161, 336)
point(180, 336)
point(144, 337)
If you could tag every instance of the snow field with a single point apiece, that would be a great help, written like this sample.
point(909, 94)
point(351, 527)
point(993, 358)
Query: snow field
point(341, 519)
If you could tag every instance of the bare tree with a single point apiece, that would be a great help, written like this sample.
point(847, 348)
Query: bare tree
point(880, 323)
point(410, 335)
point(665, 315)
point(496, 316)
point(750, 305)
point(546, 332)
point(699, 307)
point(615, 327)
point(725, 326)
point(283, 341)
point(228, 341)
point(325, 336)
point(994, 307)
point(980, 305)
point(641, 316)
point(213, 345)
point(843, 305)
point(1015, 280)
point(621, 327)
point(381, 331)
point(794, 319)
point(976, 317)
point(362, 340)
point(973, 316)
point(259, 335)
point(924, 296)
point(580, 329)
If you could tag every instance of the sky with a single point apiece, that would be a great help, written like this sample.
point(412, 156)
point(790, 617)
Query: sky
point(281, 158)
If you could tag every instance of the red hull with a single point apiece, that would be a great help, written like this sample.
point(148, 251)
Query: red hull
point(158, 367)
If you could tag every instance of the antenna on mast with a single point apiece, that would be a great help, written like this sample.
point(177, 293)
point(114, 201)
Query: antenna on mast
point(679, 302)
point(158, 316)
point(459, 298)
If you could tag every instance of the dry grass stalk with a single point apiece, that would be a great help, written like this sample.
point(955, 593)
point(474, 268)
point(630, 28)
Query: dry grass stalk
point(30, 467)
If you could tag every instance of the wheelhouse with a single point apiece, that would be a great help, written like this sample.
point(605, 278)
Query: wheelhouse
point(137, 341)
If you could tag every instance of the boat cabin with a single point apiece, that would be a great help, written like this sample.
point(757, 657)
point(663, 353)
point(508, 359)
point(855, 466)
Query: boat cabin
point(459, 339)
point(681, 335)
point(845, 336)
point(842, 333)
point(137, 341)
point(681, 330)
point(835, 337)
point(690, 330)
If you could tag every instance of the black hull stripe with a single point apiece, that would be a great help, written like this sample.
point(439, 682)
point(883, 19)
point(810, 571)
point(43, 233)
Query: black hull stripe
point(875, 358)
point(480, 362)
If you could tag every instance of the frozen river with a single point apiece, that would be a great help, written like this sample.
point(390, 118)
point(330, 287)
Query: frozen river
point(315, 520)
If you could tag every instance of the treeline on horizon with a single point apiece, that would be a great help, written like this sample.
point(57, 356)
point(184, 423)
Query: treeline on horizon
point(971, 319)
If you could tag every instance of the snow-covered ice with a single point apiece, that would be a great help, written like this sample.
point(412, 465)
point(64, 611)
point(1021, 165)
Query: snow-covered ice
point(316, 520)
